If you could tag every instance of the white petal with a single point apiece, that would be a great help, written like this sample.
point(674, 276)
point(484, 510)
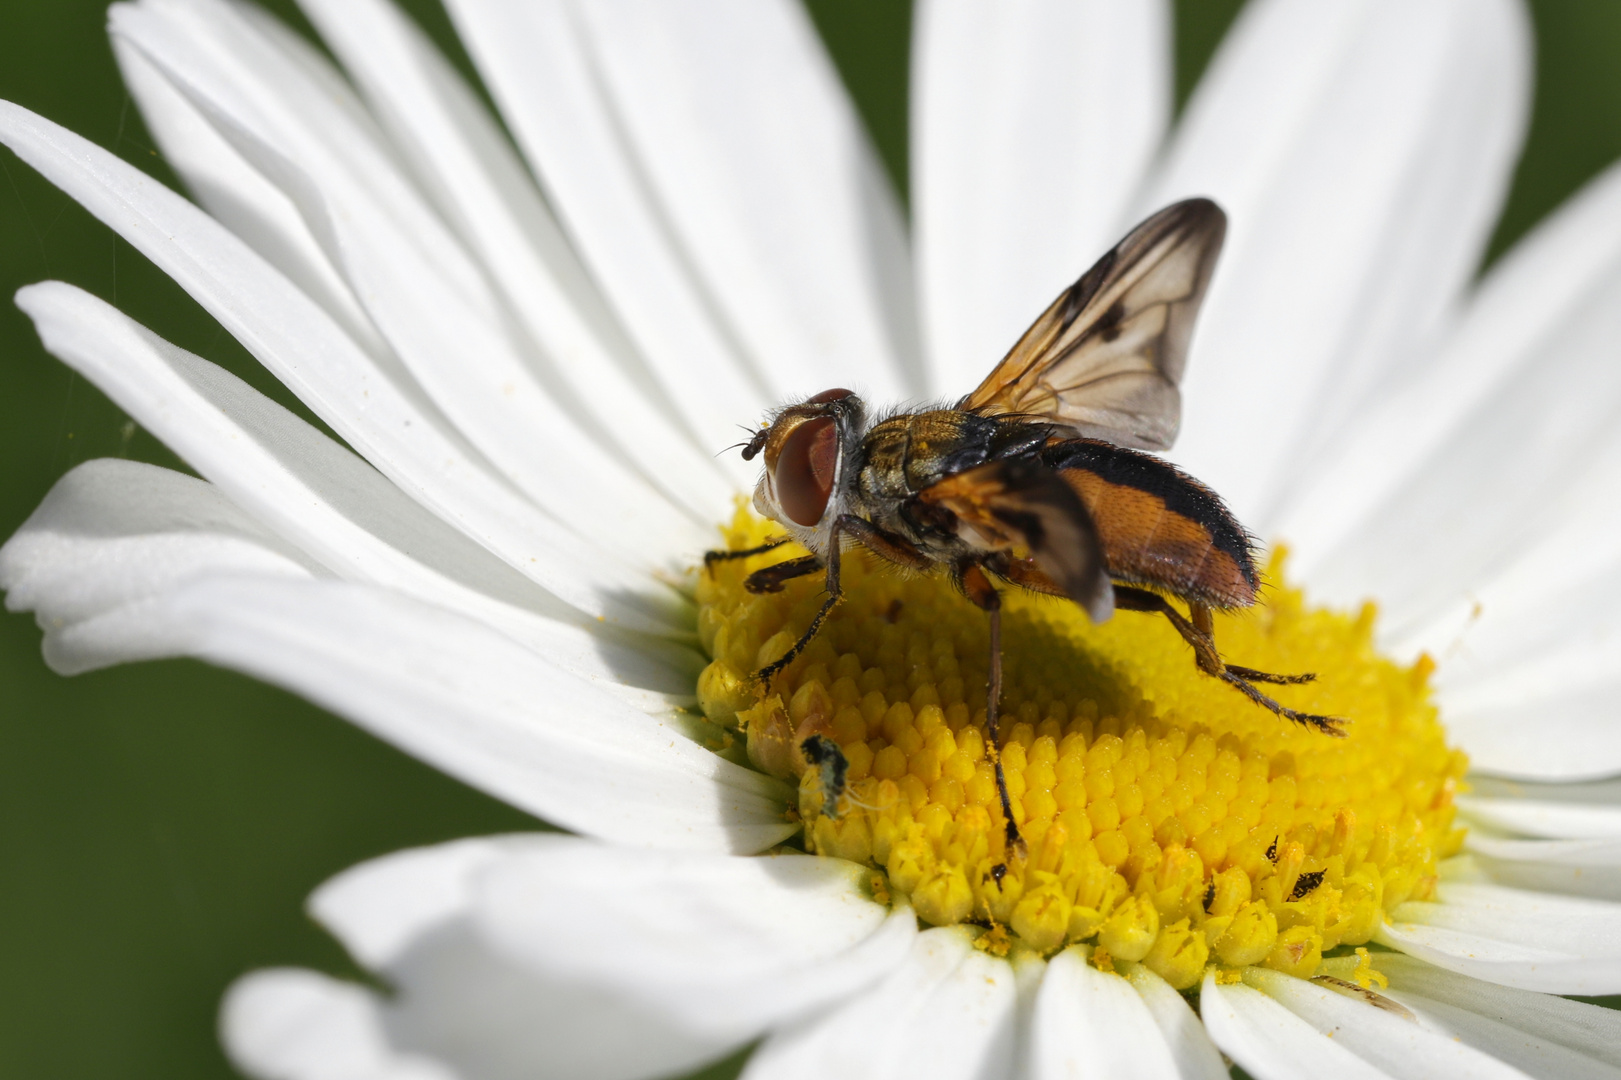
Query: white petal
point(297, 341)
point(1534, 941)
point(461, 999)
point(1549, 811)
point(1530, 651)
point(1544, 1035)
point(113, 533)
point(422, 290)
point(327, 502)
point(1269, 1041)
point(511, 951)
point(289, 1024)
point(492, 1018)
point(239, 197)
point(1394, 1044)
point(380, 908)
point(467, 165)
point(724, 946)
point(947, 1012)
point(1032, 124)
point(1085, 1022)
point(535, 61)
point(1196, 1056)
point(1361, 151)
point(464, 698)
point(1484, 495)
point(756, 156)
point(1528, 297)
point(1576, 867)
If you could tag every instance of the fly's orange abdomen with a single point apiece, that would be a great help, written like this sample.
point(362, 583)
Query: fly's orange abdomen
point(1159, 527)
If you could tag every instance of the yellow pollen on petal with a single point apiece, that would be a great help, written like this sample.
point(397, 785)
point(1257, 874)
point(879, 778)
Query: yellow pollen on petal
point(1167, 819)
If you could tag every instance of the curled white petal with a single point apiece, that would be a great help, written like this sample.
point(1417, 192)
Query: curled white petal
point(289, 1024)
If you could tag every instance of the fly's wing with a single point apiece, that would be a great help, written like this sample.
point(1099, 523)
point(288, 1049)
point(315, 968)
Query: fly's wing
point(1106, 357)
point(1029, 512)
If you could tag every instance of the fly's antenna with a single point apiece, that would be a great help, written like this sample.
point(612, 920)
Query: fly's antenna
point(752, 445)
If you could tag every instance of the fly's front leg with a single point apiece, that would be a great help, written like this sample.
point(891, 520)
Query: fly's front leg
point(1197, 632)
point(771, 579)
point(713, 557)
point(885, 544)
point(799, 568)
point(978, 588)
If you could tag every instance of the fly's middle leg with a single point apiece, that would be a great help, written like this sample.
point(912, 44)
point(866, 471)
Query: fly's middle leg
point(978, 588)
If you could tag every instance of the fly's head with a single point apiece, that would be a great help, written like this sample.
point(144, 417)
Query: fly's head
point(805, 447)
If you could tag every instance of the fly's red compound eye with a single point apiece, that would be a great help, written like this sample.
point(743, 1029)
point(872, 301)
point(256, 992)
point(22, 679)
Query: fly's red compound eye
point(835, 394)
point(804, 472)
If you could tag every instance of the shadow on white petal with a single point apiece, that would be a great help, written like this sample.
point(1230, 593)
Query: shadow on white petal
point(602, 962)
point(467, 700)
point(1573, 867)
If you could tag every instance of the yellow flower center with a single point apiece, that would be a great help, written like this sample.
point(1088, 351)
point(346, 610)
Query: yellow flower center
point(1168, 819)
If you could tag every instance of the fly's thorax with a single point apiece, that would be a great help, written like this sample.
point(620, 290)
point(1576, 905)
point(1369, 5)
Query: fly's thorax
point(907, 453)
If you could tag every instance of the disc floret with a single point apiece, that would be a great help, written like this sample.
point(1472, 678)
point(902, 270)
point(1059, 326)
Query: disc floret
point(1167, 820)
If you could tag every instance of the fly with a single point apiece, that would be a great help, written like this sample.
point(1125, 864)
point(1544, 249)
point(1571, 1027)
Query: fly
point(1037, 478)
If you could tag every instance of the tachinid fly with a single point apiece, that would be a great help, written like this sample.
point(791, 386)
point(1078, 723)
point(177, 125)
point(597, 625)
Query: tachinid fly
point(1037, 478)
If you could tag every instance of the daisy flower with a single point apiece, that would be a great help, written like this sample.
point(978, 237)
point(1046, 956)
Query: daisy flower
point(533, 354)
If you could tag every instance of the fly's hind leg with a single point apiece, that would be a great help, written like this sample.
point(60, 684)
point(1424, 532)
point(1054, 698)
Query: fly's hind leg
point(978, 588)
point(1197, 630)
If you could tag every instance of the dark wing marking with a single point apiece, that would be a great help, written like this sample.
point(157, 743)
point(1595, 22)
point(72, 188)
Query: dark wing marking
point(1105, 359)
point(1023, 510)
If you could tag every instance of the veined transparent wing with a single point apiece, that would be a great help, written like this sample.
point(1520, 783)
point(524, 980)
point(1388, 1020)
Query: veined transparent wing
point(1105, 359)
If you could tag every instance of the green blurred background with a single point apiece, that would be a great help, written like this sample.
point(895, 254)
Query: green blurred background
point(160, 825)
